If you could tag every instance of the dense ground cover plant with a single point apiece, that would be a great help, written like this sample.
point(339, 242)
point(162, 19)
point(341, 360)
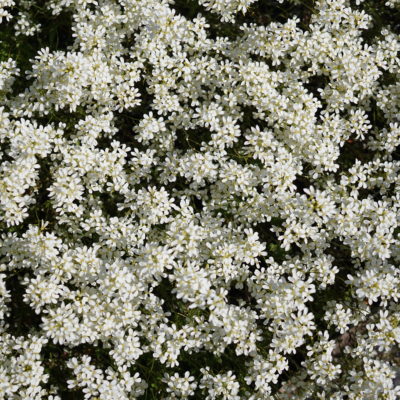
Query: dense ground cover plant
point(199, 200)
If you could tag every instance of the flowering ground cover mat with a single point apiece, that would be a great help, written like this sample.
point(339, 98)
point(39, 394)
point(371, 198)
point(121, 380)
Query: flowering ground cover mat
point(199, 199)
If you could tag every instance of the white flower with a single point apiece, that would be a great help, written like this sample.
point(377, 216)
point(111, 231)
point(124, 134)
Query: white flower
point(180, 193)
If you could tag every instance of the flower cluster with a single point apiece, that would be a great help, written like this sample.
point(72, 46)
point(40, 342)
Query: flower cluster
point(193, 212)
